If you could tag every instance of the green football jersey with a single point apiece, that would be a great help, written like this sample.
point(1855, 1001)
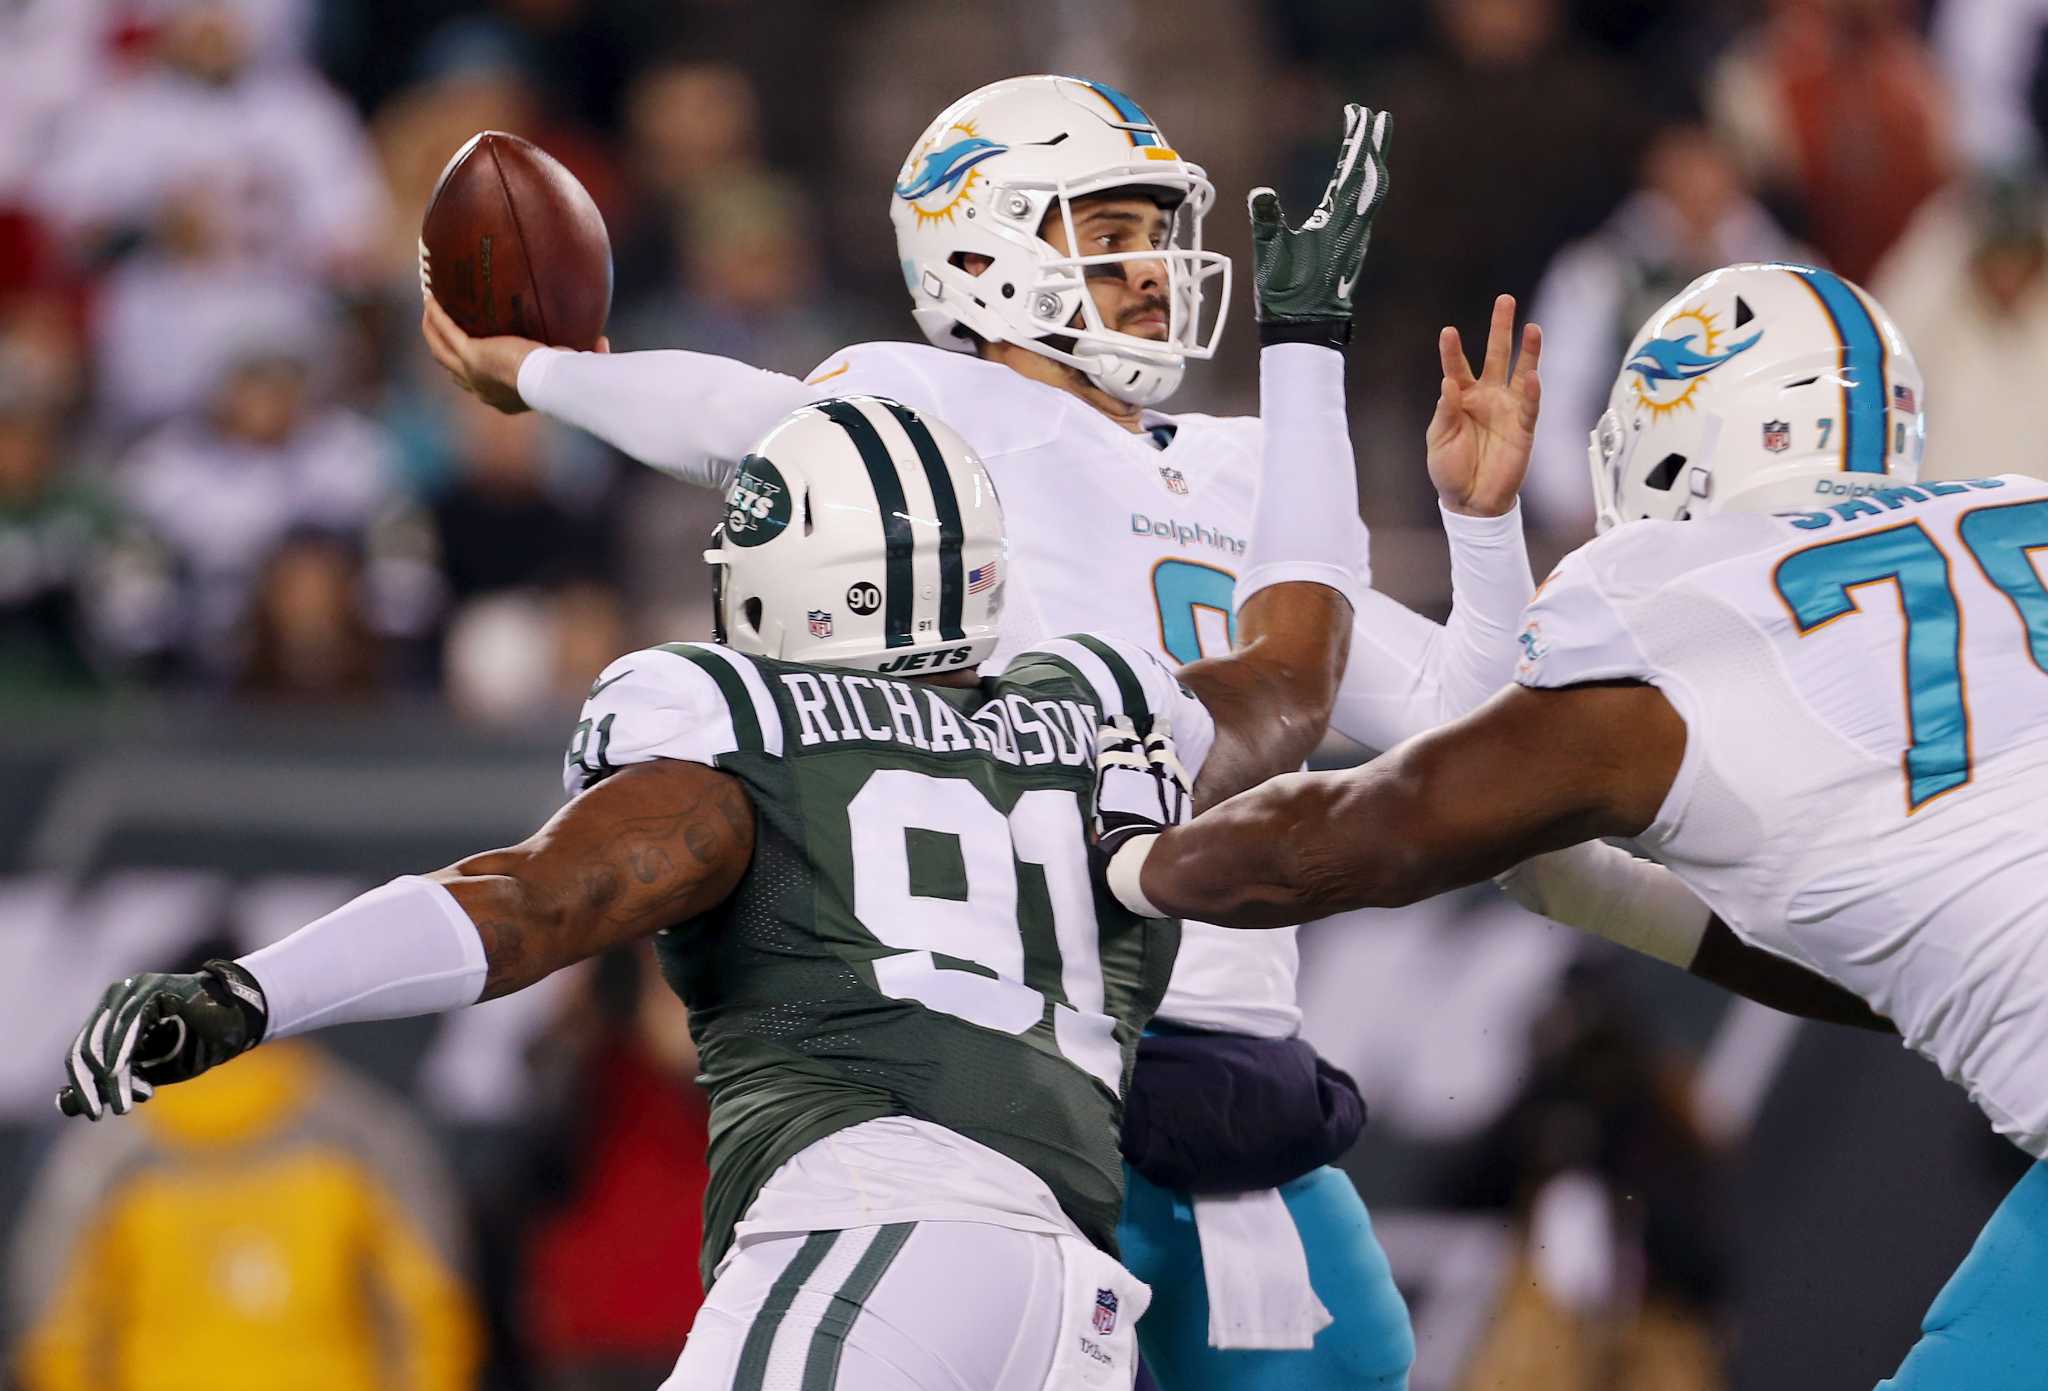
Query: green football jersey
point(920, 933)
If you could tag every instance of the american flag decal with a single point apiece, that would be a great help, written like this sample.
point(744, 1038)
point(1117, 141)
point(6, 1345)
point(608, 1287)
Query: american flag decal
point(1903, 399)
point(981, 578)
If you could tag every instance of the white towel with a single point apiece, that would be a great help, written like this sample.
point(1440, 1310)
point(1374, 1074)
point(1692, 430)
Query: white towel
point(1257, 1272)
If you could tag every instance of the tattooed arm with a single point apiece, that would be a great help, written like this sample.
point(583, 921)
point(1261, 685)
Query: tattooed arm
point(652, 846)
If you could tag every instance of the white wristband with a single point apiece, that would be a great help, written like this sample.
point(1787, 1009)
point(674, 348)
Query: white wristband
point(405, 948)
point(1604, 890)
point(1126, 868)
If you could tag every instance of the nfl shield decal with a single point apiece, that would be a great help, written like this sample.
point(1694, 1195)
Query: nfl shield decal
point(821, 623)
point(1105, 1312)
point(1777, 436)
point(1176, 481)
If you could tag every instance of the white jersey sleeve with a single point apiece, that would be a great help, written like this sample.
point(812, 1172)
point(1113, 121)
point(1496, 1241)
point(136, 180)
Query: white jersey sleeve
point(1572, 632)
point(1130, 680)
point(683, 700)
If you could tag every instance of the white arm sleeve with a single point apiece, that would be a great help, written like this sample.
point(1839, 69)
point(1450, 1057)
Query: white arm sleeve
point(403, 949)
point(1408, 674)
point(1604, 890)
point(691, 415)
point(1305, 517)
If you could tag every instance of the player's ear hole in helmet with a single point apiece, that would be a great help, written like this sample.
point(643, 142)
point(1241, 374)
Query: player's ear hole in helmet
point(860, 533)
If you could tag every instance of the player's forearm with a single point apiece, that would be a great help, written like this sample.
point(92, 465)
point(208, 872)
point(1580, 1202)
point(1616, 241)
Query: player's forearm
point(1271, 697)
point(1305, 516)
point(1289, 851)
point(691, 415)
point(1490, 586)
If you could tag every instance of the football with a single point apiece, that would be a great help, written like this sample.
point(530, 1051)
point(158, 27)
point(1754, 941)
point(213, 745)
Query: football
point(512, 243)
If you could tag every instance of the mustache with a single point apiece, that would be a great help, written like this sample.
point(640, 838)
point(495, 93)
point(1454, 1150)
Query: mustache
point(1151, 304)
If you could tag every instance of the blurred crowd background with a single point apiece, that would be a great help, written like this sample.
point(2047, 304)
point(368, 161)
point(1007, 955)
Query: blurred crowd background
point(282, 613)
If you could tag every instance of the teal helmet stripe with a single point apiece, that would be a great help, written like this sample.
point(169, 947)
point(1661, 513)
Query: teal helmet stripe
point(1863, 369)
point(898, 541)
point(1127, 110)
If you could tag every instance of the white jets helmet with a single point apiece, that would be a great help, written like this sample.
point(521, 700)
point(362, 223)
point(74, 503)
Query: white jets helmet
point(1760, 388)
point(982, 180)
point(859, 533)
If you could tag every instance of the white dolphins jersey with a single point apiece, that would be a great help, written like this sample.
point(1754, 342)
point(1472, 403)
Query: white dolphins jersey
point(1865, 692)
point(1110, 533)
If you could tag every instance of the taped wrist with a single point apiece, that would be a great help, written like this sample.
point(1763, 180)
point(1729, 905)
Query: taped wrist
point(1126, 871)
point(403, 949)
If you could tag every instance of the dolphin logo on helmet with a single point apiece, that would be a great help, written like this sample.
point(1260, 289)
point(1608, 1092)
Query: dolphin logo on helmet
point(945, 168)
point(1676, 360)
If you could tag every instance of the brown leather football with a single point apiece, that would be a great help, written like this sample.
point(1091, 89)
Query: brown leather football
point(512, 243)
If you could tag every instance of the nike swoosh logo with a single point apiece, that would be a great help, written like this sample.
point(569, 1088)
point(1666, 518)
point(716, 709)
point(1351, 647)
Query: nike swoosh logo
point(602, 684)
point(1344, 287)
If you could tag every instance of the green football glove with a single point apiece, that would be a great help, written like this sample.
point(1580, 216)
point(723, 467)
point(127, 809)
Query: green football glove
point(1303, 276)
point(152, 1029)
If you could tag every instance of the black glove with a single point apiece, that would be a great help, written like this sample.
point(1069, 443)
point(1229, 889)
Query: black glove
point(1140, 787)
point(1303, 277)
point(152, 1029)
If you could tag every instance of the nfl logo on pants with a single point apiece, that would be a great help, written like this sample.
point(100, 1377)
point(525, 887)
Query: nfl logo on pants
point(1105, 1312)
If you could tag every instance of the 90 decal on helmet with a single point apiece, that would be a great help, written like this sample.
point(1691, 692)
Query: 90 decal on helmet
point(1759, 388)
point(985, 178)
point(859, 533)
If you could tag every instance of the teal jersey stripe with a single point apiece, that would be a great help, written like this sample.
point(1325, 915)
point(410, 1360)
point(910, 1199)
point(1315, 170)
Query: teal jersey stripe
point(898, 541)
point(1863, 368)
point(821, 1363)
point(746, 723)
point(760, 1341)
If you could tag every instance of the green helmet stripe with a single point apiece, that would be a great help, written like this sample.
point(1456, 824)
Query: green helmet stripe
point(899, 542)
point(945, 502)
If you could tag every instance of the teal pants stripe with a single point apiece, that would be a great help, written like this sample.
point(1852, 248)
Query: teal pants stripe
point(1368, 1348)
point(821, 1364)
point(1988, 1328)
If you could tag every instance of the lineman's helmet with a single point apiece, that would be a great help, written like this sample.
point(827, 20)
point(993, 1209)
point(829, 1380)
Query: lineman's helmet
point(859, 533)
point(981, 181)
point(1760, 388)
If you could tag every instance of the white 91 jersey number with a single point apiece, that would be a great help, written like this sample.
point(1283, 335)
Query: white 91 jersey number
point(1046, 829)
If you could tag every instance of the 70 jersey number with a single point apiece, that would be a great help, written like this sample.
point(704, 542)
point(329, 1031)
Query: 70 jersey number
point(1818, 585)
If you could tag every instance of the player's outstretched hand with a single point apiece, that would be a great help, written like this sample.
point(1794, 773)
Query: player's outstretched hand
point(1303, 276)
point(487, 368)
point(1484, 427)
point(153, 1029)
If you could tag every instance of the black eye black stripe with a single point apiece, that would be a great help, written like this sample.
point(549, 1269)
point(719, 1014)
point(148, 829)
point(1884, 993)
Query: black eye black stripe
point(952, 587)
point(898, 587)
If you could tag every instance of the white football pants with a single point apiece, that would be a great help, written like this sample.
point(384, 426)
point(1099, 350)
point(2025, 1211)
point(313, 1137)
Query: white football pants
point(916, 1306)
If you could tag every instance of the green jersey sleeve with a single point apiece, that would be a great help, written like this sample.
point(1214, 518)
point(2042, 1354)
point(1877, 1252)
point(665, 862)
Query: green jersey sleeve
point(1129, 680)
point(689, 701)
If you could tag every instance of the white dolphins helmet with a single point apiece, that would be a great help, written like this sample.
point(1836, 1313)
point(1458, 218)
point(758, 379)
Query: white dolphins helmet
point(860, 533)
point(1760, 388)
point(981, 181)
